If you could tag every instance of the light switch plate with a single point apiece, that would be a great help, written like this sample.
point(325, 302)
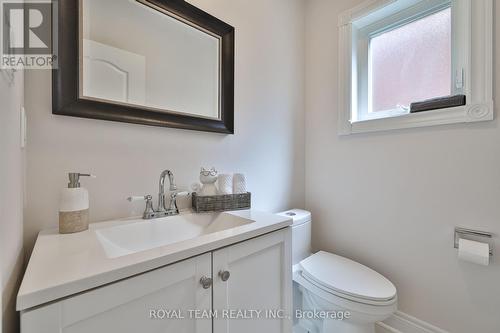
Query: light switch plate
point(23, 128)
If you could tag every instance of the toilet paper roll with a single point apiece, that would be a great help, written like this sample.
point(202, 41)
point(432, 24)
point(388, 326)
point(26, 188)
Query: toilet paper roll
point(239, 183)
point(475, 252)
point(225, 184)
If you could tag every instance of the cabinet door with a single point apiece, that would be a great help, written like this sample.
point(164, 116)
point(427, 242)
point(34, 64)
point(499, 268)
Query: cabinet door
point(129, 306)
point(259, 279)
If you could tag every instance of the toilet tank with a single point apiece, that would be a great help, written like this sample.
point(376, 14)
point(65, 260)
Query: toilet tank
point(301, 234)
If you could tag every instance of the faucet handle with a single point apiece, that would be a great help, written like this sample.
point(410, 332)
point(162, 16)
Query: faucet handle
point(149, 212)
point(179, 194)
point(173, 200)
point(140, 198)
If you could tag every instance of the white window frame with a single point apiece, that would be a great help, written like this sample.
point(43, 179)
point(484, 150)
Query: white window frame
point(472, 62)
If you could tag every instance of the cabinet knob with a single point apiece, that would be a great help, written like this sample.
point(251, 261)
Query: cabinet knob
point(206, 282)
point(224, 275)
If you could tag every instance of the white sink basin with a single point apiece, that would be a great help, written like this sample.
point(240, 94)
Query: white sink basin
point(144, 235)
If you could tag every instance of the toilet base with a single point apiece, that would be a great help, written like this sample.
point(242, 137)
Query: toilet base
point(299, 329)
point(359, 318)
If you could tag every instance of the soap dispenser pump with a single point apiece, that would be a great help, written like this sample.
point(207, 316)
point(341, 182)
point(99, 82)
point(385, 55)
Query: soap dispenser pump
point(74, 206)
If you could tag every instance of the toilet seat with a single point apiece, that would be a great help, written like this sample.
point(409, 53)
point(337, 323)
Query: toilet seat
point(347, 279)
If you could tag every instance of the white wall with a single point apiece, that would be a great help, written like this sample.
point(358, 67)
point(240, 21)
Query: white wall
point(391, 200)
point(11, 197)
point(268, 145)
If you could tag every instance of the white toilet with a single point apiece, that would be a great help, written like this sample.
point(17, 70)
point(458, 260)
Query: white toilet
point(333, 294)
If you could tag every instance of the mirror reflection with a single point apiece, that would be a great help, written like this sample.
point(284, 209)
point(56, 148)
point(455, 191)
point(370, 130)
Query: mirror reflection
point(166, 65)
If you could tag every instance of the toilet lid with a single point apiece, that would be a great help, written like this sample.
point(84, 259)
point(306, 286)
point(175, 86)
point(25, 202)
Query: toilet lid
point(348, 277)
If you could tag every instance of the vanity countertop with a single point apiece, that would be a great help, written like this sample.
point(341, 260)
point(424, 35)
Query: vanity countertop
point(64, 265)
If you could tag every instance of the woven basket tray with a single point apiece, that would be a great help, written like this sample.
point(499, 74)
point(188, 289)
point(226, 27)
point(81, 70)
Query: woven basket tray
point(219, 203)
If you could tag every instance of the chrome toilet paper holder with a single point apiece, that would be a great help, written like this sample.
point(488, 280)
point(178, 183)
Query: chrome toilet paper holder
point(459, 232)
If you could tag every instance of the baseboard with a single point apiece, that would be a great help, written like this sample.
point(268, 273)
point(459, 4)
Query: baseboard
point(401, 322)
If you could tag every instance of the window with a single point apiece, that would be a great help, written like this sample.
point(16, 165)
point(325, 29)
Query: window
point(396, 55)
point(410, 63)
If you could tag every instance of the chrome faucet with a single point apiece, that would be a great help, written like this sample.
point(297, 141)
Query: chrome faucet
point(162, 210)
point(161, 193)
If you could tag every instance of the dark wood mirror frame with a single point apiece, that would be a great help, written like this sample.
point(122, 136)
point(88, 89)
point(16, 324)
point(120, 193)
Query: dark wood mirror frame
point(65, 79)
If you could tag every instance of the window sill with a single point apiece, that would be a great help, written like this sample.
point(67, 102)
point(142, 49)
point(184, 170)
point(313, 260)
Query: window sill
point(461, 114)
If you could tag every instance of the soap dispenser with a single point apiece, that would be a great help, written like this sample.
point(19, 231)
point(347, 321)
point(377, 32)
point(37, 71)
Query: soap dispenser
point(74, 206)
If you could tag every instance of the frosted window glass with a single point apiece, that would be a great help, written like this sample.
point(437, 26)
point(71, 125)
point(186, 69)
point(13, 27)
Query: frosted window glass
point(411, 63)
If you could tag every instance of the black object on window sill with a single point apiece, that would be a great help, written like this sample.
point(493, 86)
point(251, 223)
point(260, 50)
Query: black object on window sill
point(438, 103)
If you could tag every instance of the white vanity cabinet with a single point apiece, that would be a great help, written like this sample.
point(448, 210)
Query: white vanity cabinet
point(124, 306)
point(257, 277)
point(260, 279)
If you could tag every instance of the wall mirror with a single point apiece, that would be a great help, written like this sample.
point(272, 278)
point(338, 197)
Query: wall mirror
point(152, 62)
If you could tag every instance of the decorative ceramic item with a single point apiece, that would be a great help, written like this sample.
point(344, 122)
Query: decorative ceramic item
point(225, 183)
point(196, 187)
point(208, 179)
point(239, 183)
